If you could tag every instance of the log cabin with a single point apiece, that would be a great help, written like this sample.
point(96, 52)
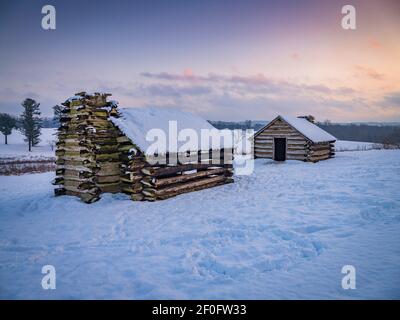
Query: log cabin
point(293, 138)
point(104, 149)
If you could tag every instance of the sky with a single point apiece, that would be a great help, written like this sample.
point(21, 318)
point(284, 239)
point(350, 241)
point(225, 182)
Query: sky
point(224, 60)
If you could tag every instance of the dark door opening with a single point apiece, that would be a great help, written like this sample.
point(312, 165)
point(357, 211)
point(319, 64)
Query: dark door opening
point(280, 149)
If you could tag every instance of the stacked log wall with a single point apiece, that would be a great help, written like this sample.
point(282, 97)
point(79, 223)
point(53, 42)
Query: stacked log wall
point(87, 151)
point(157, 178)
point(321, 151)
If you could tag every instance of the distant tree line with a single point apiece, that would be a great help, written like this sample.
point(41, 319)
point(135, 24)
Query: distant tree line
point(29, 123)
point(247, 124)
point(386, 134)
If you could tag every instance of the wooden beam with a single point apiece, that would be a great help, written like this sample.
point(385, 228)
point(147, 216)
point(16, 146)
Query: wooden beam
point(164, 171)
point(183, 178)
point(185, 187)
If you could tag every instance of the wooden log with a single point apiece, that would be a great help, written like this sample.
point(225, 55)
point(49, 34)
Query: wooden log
point(82, 163)
point(164, 171)
point(319, 147)
point(127, 181)
point(88, 198)
point(283, 134)
point(259, 139)
point(319, 158)
point(263, 156)
point(123, 138)
point(108, 169)
point(261, 153)
point(182, 178)
point(74, 149)
point(297, 147)
point(296, 139)
point(75, 168)
point(215, 157)
point(296, 157)
point(58, 181)
point(320, 153)
point(107, 157)
point(106, 150)
point(297, 152)
point(274, 131)
point(80, 184)
point(59, 192)
point(181, 187)
point(186, 187)
point(264, 145)
point(75, 172)
point(134, 188)
point(107, 179)
point(137, 196)
point(261, 148)
point(93, 191)
point(127, 147)
point(61, 144)
point(279, 127)
point(109, 187)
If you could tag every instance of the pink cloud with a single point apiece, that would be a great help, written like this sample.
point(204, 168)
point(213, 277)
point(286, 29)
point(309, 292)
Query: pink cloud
point(374, 43)
point(188, 73)
point(363, 71)
point(295, 56)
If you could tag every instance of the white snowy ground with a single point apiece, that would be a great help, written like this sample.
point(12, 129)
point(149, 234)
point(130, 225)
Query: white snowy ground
point(343, 145)
point(17, 149)
point(283, 232)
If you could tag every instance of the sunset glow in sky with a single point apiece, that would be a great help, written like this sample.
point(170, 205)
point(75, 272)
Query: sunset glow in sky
point(225, 60)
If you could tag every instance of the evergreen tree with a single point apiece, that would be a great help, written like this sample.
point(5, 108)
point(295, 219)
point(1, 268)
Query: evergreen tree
point(247, 124)
point(57, 113)
point(7, 123)
point(31, 122)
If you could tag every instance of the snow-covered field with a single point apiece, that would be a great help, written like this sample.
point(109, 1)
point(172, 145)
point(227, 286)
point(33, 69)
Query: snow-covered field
point(283, 232)
point(15, 158)
point(343, 145)
point(17, 148)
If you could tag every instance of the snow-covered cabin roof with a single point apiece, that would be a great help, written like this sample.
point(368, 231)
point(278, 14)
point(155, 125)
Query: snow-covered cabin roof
point(308, 129)
point(135, 123)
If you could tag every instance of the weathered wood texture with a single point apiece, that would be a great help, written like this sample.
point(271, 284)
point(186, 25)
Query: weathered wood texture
point(158, 178)
point(93, 156)
point(298, 147)
point(87, 148)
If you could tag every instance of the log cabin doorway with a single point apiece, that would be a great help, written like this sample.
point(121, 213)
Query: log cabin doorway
point(279, 149)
